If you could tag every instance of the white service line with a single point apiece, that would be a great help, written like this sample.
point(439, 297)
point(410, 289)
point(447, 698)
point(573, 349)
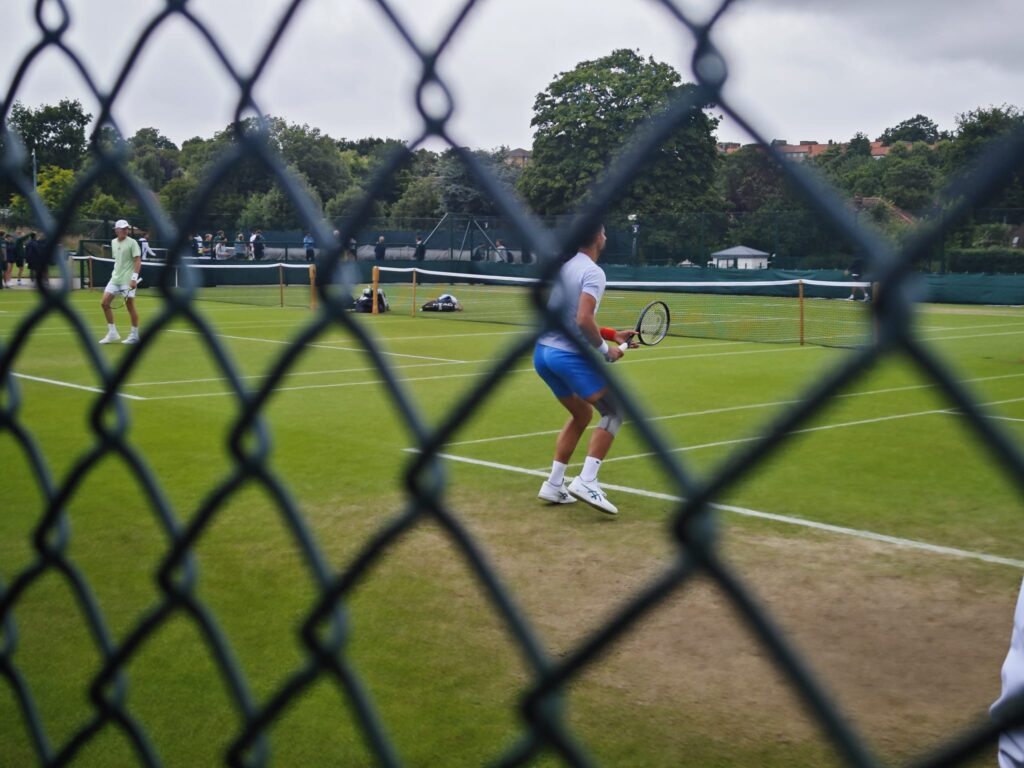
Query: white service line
point(69, 385)
point(318, 346)
point(338, 385)
point(897, 541)
point(749, 406)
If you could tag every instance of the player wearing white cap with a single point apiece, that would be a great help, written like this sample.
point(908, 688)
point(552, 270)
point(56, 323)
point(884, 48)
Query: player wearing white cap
point(123, 280)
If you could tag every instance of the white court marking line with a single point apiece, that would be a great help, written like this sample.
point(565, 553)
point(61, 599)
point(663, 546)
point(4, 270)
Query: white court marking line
point(291, 373)
point(748, 406)
point(897, 541)
point(464, 375)
point(807, 430)
point(69, 385)
point(936, 329)
point(338, 385)
point(318, 346)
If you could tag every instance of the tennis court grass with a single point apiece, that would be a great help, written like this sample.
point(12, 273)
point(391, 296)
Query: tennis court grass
point(909, 639)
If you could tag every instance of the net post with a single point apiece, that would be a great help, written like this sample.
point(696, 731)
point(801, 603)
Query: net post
point(92, 284)
point(376, 283)
point(800, 286)
point(412, 311)
point(312, 286)
point(280, 281)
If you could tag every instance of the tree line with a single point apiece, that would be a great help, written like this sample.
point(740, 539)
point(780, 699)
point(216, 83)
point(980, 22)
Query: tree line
point(687, 192)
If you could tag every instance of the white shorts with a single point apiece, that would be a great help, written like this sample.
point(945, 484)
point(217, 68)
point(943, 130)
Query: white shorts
point(113, 287)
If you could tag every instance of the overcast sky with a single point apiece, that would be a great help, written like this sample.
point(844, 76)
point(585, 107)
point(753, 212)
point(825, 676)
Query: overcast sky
point(799, 69)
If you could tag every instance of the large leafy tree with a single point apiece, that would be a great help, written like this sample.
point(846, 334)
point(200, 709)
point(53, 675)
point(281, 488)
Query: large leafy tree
point(55, 131)
point(460, 192)
point(916, 128)
point(587, 116)
point(154, 158)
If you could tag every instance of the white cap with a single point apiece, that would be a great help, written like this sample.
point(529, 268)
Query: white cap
point(121, 224)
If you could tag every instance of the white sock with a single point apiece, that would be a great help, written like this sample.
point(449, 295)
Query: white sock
point(590, 468)
point(111, 328)
point(135, 330)
point(557, 476)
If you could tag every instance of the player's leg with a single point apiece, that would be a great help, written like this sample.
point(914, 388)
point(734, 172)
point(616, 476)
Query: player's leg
point(108, 314)
point(133, 314)
point(589, 385)
point(545, 362)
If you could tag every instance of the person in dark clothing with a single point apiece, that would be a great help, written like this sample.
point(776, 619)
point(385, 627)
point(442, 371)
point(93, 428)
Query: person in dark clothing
point(855, 272)
point(34, 258)
point(421, 249)
point(258, 245)
point(380, 251)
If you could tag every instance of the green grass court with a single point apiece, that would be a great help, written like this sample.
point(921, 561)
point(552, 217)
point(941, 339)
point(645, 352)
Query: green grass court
point(907, 633)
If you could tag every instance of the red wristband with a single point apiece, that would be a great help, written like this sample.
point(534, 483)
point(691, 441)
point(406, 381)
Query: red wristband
point(608, 333)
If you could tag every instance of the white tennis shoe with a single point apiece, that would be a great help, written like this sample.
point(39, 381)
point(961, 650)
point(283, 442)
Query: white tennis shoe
point(132, 339)
point(556, 494)
point(591, 493)
point(110, 338)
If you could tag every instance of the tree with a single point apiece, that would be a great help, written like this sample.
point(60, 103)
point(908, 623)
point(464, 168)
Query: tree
point(587, 116)
point(419, 201)
point(56, 132)
point(313, 154)
point(55, 185)
point(155, 159)
point(909, 178)
point(917, 128)
point(975, 130)
point(460, 192)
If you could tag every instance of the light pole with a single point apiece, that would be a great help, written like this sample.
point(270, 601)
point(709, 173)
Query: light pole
point(636, 236)
point(35, 184)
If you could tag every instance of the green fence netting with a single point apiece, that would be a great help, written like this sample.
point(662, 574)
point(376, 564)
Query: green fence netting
point(325, 630)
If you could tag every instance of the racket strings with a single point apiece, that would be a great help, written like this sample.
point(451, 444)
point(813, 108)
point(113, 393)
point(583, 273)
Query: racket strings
point(653, 325)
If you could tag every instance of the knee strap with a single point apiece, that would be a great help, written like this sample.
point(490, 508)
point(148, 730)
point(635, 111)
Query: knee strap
point(611, 417)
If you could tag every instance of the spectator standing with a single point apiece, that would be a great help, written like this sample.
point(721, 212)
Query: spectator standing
point(147, 252)
point(421, 249)
point(380, 251)
point(258, 245)
point(240, 246)
point(3, 259)
point(19, 255)
point(34, 259)
point(500, 251)
point(308, 243)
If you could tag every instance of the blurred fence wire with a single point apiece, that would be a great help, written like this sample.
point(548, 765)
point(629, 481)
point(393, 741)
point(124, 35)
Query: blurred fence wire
point(325, 630)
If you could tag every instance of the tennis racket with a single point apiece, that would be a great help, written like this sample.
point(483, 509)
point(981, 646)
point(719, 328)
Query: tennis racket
point(120, 297)
point(652, 325)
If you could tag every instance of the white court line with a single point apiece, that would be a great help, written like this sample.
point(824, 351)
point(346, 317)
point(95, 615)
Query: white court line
point(897, 541)
point(746, 407)
point(290, 374)
point(338, 385)
point(69, 385)
point(318, 346)
point(937, 329)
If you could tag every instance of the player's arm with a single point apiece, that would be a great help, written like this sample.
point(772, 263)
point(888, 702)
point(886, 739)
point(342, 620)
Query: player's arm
point(589, 328)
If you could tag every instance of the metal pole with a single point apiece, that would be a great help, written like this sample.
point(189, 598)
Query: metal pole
point(35, 183)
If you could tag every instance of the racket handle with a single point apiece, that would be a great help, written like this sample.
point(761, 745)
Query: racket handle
point(624, 346)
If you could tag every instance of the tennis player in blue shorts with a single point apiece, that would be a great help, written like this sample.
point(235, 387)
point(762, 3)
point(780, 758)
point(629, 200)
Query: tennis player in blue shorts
point(574, 380)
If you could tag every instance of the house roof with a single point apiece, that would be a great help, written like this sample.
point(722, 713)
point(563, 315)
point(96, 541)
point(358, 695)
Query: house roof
point(740, 250)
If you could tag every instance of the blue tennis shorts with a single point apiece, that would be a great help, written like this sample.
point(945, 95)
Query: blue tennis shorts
point(567, 373)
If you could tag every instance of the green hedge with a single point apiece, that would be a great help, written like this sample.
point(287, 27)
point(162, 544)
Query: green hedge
point(999, 261)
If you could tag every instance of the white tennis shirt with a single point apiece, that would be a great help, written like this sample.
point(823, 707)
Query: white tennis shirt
point(578, 275)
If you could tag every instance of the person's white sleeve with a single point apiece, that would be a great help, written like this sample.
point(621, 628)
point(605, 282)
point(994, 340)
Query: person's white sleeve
point(1011, 743)
point(594, 282)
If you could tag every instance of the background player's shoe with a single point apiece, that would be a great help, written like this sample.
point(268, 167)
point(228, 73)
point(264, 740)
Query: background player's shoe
point(110, 338)
point(133, 338)
point(556, 494)
point(591, 493)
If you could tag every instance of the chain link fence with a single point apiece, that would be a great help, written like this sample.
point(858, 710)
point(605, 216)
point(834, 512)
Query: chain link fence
point(325, 629)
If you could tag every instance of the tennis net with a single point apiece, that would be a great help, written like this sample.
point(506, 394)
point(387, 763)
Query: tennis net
point(801, 311)
point(274, 284)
